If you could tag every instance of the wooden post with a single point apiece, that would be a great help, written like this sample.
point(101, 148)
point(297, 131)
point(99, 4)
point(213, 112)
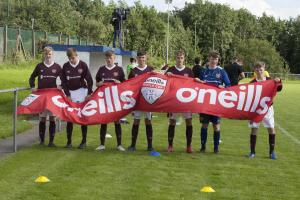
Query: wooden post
point(33, 43)
point(5, 43)
point(15, 120)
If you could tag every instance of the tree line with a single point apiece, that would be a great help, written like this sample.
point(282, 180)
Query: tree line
point(197, 29)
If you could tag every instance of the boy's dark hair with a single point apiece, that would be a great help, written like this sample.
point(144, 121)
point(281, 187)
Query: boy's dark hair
point(214, 54)
point(71, 52)
point(141, 53)
point(197, 60)
point(109, 53)
point(235, 59)
point(132, 60)
point(259, 64)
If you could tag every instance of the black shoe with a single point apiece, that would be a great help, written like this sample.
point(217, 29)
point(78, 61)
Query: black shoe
point(82, 146)
point(150, 149)
point(51, 144)
point(68, 146)
point(202, 149)
point(42, 143)
point(216, 150)
point(131, 148)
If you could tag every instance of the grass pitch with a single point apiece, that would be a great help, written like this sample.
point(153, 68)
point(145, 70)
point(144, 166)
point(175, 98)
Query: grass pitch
point(87, 174)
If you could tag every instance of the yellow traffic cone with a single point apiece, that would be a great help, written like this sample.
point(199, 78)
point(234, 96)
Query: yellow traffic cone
point(207, 189)
point(42, 179)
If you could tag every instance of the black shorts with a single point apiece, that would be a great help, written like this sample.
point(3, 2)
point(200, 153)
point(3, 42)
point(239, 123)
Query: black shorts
point(205, 119)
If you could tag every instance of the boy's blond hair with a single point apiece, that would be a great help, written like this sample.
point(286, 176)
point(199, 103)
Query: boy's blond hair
point(47, 49)
point(110, 53)
point(180, 53)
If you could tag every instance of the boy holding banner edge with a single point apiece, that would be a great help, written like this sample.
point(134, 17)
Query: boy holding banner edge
point(47, 72)
point(268, 120)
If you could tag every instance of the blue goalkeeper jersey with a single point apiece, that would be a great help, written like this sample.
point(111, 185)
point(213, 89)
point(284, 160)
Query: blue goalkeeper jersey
point(217, 76)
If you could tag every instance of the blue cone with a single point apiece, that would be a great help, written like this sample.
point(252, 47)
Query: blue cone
point(154, 153)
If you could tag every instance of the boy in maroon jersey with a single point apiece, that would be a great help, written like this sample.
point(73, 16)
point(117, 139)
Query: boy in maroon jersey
point(114, 74)
point(77, 84)
point(47, 72)
point(268, 120)
point(140, 69)
point(182, 70)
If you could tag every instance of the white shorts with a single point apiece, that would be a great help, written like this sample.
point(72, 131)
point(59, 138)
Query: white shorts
point(268, 120)
point(184, 115)
point(46, 113)
point(138, 114)
point(79, 95)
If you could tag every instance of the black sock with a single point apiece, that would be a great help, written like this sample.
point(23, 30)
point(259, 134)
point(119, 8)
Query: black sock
point(134, 134)
point(216, 139)
point(52, 128)
point(103, 130)
point(203, 137)
point(69, 132)
point(252, 143)
point(42, 130)
point(171, 133)
point(118, 130)
point(149, 134)
point(272, 142)
point(83, 133)
point(189, 135)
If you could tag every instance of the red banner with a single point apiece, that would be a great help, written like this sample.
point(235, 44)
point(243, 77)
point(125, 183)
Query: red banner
point(156, 93)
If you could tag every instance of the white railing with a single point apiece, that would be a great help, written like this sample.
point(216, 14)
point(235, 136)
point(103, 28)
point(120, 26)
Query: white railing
point(283, 76)
point(15, 116)
point(15, 91)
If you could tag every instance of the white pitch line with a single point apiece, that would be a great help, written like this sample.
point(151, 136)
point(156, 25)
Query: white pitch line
point(285, 132)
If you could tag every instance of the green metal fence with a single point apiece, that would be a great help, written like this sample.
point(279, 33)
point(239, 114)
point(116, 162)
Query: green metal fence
point(31, 39)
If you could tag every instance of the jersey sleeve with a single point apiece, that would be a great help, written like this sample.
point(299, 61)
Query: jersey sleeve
point(99, 75)
point(64, 80)
point(89, 80)
point(195, 71)
point(34, 74)
point(240, 69)
point(191, 74)
point(225, 79)
point(122, 75)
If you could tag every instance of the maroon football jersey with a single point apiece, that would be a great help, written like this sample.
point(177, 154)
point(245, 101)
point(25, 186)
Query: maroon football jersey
point(188, 72)
point(107, 75)
point(137, 71)
point(77, 77)
point(46, 75)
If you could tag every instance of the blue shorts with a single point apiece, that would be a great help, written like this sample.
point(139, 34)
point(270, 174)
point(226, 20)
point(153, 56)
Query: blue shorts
point(205, 119)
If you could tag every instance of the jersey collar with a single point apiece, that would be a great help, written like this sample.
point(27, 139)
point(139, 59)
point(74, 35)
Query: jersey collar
point(180, 69)
point(142, 69)
point(75, 63)
point(52, 63)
